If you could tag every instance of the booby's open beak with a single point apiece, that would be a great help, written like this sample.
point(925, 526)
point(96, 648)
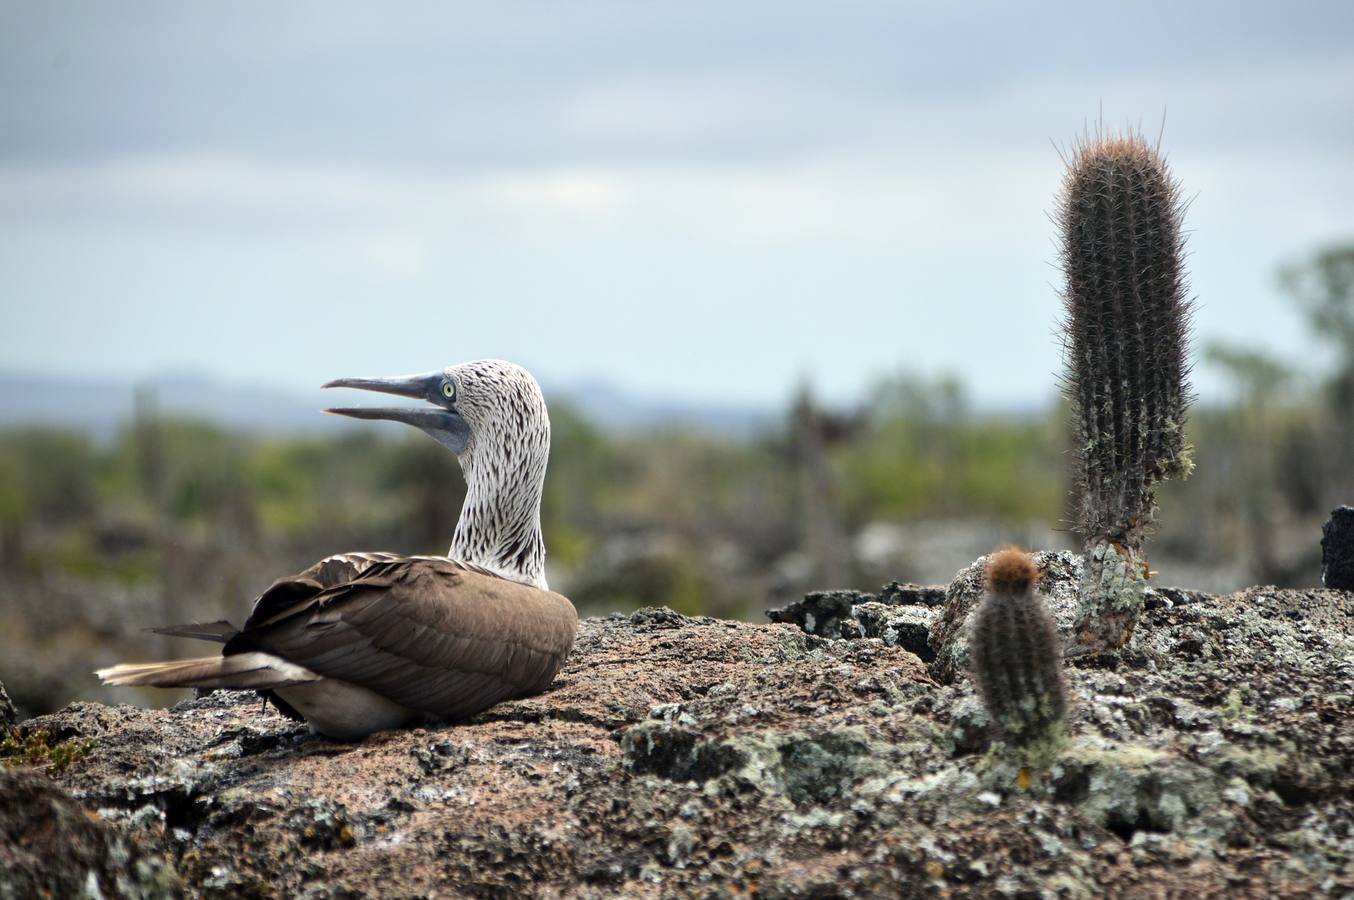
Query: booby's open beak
point(442, 421)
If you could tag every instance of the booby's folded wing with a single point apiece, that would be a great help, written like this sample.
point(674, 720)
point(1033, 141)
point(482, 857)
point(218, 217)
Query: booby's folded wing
point(219, 631)
point(429, 633)
point(342, 568)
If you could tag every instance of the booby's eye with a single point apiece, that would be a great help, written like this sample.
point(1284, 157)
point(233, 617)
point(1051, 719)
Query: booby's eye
point(448, 390)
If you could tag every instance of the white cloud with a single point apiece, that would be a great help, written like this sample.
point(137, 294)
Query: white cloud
point(797, 211)
point(882, 170)
point(398, 255)
point(858, 200)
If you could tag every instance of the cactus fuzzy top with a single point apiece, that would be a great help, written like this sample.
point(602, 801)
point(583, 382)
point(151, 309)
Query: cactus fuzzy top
point(1010, 571)
point(1126, 328)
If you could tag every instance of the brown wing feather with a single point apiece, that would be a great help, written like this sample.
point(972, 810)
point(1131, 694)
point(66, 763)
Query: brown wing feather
point(219, 631)
point(344, 567)
point(429, 633)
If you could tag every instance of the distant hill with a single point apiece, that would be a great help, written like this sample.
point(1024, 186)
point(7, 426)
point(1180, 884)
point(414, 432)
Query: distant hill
point(101, 406)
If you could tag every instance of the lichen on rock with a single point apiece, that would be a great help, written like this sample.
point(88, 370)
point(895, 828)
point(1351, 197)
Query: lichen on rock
point(680, 756)
point(1112, 592)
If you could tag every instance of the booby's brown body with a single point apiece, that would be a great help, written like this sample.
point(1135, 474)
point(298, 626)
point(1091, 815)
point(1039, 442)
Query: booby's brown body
point(361, 642)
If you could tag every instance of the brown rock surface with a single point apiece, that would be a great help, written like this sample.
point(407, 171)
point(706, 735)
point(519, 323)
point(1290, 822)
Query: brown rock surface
point(695, 757)
point(50, 846)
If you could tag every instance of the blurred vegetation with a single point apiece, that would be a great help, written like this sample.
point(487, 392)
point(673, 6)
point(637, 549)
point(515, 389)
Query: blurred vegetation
point(176, 520)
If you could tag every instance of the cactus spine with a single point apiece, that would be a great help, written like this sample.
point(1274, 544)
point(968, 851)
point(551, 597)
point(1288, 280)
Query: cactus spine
point(1016, 652)
point(1125, 339)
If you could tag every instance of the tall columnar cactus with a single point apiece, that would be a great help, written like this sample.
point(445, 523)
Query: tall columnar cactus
point(1125, 338)
point(1016, 652)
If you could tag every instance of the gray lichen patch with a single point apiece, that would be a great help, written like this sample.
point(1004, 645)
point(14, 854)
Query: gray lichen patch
point(900, 615)
point(1112, 581)
point(678, 752)
point(1132, 788)
point(823, 767)
point(1111, 599)
point(906, 626)
point(823, 613)
point(802, 767)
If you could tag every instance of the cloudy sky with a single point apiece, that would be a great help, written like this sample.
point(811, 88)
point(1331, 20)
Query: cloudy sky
point(694, 201)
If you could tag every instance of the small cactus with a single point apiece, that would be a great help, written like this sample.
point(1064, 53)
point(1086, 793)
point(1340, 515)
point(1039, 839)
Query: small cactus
point(1125, 339)
point(1016, 652)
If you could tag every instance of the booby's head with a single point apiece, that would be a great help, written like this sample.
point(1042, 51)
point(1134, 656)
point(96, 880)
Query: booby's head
point(473, 405)
point(491, 414)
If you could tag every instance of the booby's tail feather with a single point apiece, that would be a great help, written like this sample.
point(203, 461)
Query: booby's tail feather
point(240, 671)
point(220, 632)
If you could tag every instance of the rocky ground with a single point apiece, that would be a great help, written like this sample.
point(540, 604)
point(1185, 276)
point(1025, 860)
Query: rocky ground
point(696, 757)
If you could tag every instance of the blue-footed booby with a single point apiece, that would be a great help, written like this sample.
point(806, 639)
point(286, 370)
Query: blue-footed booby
point(363, 642)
